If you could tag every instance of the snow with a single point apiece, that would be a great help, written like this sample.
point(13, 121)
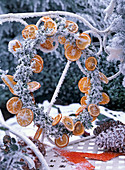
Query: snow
point(66, 110)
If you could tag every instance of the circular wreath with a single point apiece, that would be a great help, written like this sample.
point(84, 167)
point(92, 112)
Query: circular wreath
point(46, 36)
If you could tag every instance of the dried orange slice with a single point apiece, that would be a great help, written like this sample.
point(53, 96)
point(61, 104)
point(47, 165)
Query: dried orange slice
point(61, 39)
point(94, 118)
point(48, 45)
point(14, 45)
point(84, 84)
point(14, 105)
point(66, 45)
point(68, 123)
point(78, 129)
point(38, 133)
point(50, 25)
point(105, 99)
point(71, 26)
point(45, 18)
point(72, 53)
point(91, 63)
point(57, 119)
point(94, 110)
point(80, 109)
point(37, 64)
point(82, 101)
point(24, 117)
point(29, 31)
point(103, 78)
point(33, 86)
point(8, 80)
point(83, 41)
point(63, 141)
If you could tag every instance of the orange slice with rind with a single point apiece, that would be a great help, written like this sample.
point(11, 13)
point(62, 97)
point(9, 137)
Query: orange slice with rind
point(84, 84)
point(93, 118)
point(57, 119)
point(72, 53)
point(63, 141)
point(71, 26)
point(14, 45)
point(91, 63)
point(24, 117)
point(83, 41)
point(29, 31)
point(8, 80)
point(48, 45)
point(80, 109)
point(14, 105)
point(103, 78)
point(61, 39)
point(45, 18)
point(38, 133)
point(82, 101)
point(33, 86)
point(67, 44)
point(68, 123)
point(50, 25)
point(94, 110)
point(78, 129)
point(105, 99)
point(37, 65)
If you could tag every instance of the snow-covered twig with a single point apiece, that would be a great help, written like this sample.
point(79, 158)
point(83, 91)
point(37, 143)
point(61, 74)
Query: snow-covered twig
point(109, 9)
point(27, 141)
point(99, 38)
point(104, 42)
point(14, 19)
point(114, 76)
point(80, 67)
point(39, 14)
point(59, 85)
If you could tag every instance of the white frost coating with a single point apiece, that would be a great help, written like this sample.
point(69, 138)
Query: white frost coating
point(104, 43)
point(39, 14)
point(109, 9)
point(114, 76)
point(38, 22)
point(59, 85)
point(12, 20)
point(80, 67)
point(114, 53)
point(27, 141)
point(99, 38)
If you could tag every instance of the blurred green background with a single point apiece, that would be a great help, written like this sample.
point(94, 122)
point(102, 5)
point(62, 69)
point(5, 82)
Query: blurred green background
point(54, 62)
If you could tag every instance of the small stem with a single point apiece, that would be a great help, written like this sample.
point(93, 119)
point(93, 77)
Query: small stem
point(59, 86)
point(80, 67)
point(104, 42)
point(114, 76)
point(50, 140)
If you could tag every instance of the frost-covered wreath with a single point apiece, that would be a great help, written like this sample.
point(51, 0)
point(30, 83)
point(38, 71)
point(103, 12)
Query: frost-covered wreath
point(45, 36)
